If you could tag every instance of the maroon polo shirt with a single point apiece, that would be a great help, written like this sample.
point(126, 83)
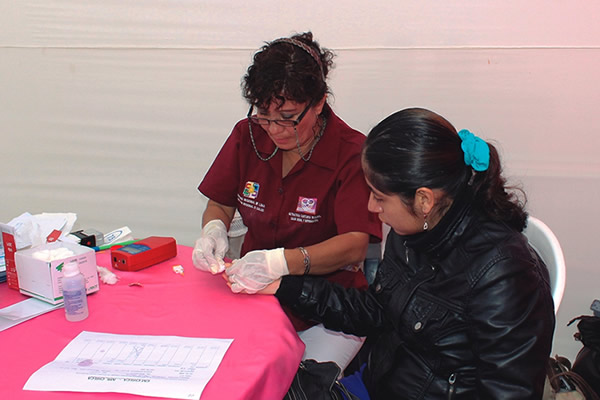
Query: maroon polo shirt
point(317, 200)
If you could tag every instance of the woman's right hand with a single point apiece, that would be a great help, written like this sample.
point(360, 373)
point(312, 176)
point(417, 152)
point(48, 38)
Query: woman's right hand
point(211, 247)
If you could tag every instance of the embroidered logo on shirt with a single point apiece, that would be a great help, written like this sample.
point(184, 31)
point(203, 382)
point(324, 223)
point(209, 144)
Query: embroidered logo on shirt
point(251, 190)
point(307, 205)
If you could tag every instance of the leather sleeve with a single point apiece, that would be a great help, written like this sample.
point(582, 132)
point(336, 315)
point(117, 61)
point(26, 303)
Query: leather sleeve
point(511, 328)
point(351, 311)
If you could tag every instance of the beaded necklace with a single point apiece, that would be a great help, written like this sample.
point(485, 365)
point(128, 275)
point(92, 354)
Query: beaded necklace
point(317, 138)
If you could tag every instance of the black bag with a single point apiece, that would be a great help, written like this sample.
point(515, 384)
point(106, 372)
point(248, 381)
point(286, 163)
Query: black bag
point(317, 381)
point(587, 362)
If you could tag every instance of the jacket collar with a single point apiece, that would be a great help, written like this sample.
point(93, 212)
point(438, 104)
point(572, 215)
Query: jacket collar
point(440, 240)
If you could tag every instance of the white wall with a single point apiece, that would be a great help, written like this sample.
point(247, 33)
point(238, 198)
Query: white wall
point(115, 109)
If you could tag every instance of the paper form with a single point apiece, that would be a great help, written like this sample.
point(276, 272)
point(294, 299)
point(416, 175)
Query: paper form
point(158, 366)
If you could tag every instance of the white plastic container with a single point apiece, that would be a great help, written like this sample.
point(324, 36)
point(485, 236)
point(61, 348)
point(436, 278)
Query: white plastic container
point(74, 293)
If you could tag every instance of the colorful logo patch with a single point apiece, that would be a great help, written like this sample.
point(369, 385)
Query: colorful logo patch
point(251, 190)
point(307, 205)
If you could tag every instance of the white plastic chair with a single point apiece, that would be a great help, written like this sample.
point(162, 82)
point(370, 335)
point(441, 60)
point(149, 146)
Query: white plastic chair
point(545, 243)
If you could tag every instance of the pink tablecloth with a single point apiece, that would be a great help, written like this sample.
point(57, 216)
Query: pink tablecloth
point(259, 364)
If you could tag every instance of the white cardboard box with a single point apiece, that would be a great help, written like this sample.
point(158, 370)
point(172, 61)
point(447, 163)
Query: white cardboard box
point(43, 280)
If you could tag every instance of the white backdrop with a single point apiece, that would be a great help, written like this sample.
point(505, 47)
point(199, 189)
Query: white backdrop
point(114, 110)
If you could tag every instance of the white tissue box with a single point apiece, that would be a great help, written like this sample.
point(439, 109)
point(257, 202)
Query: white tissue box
point(43, 279)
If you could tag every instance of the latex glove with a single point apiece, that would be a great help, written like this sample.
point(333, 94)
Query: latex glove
point(211, 247)
point(256, 270)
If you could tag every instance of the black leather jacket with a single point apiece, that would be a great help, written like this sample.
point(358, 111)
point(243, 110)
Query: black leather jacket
point(463, 311)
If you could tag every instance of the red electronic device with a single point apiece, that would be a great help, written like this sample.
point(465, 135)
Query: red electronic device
point(143, 253)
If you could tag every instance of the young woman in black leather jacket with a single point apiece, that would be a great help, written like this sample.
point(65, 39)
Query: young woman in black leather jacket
point(461, 305)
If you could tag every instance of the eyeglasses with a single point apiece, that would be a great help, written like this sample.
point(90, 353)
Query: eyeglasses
point(281, 122)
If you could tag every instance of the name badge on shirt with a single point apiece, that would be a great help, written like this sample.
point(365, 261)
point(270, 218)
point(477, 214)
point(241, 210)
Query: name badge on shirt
point(307, 205)
point(251, 190)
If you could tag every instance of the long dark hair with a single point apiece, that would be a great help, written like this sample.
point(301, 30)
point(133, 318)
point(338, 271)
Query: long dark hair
point(283, 71)
point(416, 148)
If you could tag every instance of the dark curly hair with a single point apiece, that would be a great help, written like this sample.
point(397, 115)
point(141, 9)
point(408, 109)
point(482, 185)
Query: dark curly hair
point(283, 71)
point(416, 148)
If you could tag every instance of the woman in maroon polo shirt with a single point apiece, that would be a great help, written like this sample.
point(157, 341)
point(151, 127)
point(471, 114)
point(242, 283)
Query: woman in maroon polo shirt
point(292, 170)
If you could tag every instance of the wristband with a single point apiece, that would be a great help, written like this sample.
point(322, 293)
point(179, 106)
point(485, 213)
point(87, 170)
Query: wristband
point(306, 259)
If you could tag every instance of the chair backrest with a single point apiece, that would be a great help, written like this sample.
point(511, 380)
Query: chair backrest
point(545, 243)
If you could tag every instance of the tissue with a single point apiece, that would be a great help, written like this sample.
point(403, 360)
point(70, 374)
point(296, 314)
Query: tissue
point(53, 254)
point(33, 230)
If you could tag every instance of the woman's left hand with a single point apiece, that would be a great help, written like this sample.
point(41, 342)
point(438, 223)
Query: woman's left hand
point(271, 288)
point(256, 270)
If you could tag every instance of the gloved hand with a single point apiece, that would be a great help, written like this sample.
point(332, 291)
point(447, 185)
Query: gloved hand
point(256, 270)
point(211, 247)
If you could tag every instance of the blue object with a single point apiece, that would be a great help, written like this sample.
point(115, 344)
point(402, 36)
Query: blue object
point(355, 385)
point(477, 151)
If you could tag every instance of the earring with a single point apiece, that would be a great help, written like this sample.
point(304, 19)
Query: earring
point(425, 224)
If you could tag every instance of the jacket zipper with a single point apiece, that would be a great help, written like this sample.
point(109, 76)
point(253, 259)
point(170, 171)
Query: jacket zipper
point(451, 385)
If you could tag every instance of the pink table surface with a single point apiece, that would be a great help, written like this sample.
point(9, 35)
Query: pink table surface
point(259, 364)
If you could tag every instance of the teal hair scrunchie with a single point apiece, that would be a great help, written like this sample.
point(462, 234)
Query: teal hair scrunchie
point(477, 151)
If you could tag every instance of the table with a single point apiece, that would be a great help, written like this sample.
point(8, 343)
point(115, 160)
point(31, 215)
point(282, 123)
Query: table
point(259, 364)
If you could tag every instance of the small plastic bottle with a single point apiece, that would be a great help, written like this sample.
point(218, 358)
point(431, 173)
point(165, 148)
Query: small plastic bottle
point(74, 293)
